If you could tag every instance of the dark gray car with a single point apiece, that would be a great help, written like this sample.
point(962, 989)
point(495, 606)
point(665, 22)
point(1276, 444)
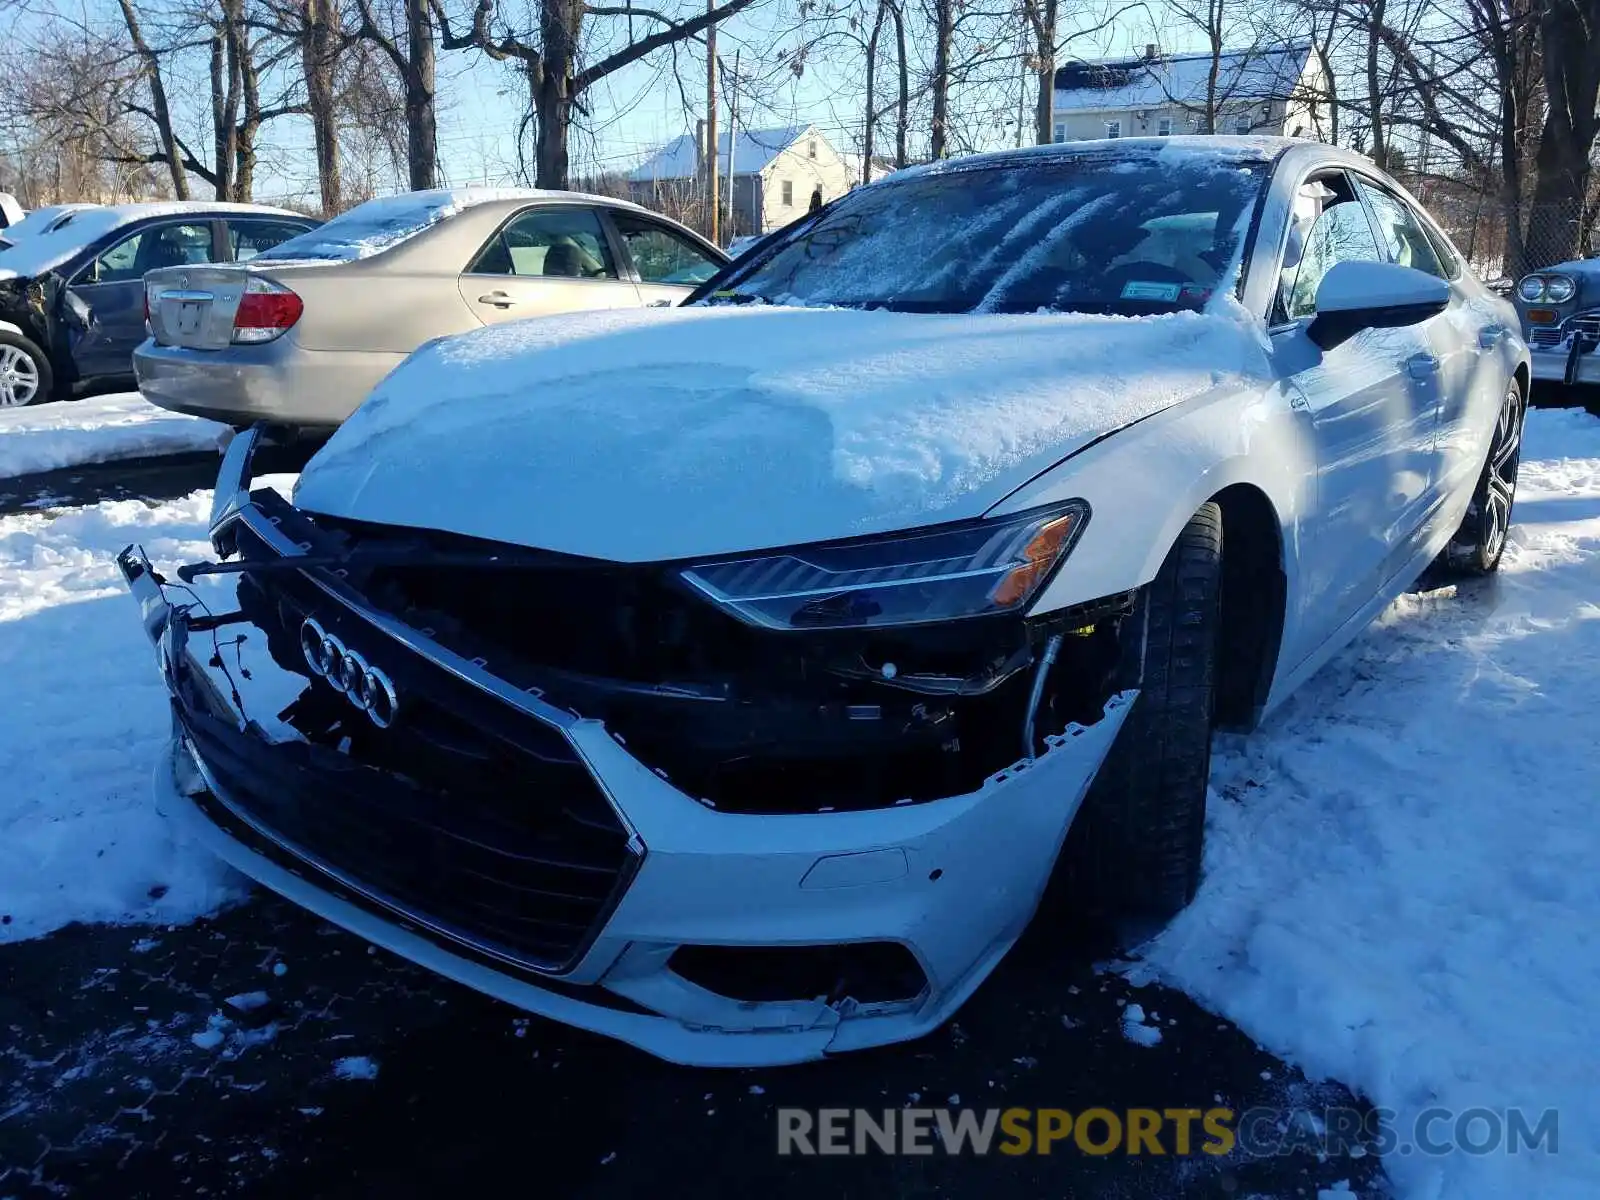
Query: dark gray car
point(72, 292)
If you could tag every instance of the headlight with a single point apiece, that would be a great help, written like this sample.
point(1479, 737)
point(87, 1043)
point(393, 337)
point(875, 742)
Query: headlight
point(1558, 289)
point(937, 574)
point(1531, 288)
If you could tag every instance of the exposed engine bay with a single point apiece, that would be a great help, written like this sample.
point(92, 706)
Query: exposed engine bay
point(743, 718)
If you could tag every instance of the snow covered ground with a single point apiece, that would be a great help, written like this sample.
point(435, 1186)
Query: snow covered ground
point(85, 718)
point(1401, 887)
point(47, 437)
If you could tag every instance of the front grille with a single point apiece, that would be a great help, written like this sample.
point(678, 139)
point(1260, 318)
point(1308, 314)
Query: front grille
point(468, 818)
point(1585, 326)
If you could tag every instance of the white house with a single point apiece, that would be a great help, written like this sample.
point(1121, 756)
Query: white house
point(777, 173)
point(1266, 90)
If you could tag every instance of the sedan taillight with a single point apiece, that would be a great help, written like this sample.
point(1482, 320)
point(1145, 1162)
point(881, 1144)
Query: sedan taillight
point(265, 311)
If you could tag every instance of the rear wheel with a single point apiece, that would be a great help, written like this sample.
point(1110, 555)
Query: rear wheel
point(1135, 849)
point(25, 375)
point(1480, 542)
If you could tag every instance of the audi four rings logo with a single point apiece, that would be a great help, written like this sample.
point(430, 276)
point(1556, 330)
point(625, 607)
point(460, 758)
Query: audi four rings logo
point(363, 684)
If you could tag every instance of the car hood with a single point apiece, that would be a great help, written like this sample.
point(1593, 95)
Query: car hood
point(654, 434)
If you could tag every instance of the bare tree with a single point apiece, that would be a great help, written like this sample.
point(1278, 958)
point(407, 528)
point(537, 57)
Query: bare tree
point(416, 63)
point(160, 112)
point(550, 59)
point(1570, 33)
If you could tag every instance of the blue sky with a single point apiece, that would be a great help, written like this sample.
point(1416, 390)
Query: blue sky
point(632, 112)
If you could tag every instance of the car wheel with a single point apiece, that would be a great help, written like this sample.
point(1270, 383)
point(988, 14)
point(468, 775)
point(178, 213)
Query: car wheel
point(1134, 851)
point(25, 375)
point(1478, 544)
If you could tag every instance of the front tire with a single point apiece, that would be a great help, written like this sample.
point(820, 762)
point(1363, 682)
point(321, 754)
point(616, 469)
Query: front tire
point(1135, 848)
point(1480, 542)
point(25, 374)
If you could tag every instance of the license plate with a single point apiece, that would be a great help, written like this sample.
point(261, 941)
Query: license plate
point(189, 314)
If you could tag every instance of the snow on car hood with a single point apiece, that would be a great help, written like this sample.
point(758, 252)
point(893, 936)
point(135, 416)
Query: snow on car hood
point(640, 435)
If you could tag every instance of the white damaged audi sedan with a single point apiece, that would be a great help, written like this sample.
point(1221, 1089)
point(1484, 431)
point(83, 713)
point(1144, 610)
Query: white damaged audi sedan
point(741, 679)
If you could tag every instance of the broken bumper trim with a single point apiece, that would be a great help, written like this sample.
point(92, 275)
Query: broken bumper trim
point(954, 880)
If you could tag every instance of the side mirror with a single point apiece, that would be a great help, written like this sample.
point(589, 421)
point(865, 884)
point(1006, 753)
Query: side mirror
point(1373, 295)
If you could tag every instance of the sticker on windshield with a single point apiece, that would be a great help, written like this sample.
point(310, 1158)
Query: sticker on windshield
point(1139, 289)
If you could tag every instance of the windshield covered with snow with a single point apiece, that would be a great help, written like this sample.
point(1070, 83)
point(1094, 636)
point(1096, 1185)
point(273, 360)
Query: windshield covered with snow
point(1106, 232)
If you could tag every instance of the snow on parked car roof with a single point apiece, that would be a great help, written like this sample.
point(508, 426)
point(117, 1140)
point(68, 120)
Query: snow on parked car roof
point(387, 221)
point(50, 248)
point(744, 427)
point(41, 219)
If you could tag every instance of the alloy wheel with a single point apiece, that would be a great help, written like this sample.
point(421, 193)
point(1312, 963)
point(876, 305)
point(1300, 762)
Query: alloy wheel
point(19, 378)
point(1501, 477)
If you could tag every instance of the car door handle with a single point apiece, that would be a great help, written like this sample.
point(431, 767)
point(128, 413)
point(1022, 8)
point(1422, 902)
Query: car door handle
point(1423, 366)
point(497, 299)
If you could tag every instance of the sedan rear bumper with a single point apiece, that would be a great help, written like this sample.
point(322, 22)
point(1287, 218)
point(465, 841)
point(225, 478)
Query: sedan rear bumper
point(279, 382)
point(948, 883)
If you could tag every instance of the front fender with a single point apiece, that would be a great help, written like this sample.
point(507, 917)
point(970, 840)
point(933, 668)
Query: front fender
point(1145, 482)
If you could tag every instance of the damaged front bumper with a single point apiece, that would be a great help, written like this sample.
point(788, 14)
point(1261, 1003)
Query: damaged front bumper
point(588, 888)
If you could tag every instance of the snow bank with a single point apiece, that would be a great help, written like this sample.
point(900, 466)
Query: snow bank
point(1401, 887)
point(46, 437)
point(86, 719)
point(660, 433)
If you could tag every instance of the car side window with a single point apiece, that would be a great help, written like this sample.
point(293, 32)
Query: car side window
point(1340, 233)
point(251, 239)
point(661, 255)
point(151, 248)
point(562, 243)
point(1403, 235)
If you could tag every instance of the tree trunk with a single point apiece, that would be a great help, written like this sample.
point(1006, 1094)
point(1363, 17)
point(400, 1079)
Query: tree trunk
point(244, 173)
point(1375, 83)
point(1045, 66)
point(1214, 68)
point(1570, 31)
point(872, 96)
point(317, 53)
point(560, 24)
point(151, 66)
point(422, 132)
point(944, 34)
point(903, 110)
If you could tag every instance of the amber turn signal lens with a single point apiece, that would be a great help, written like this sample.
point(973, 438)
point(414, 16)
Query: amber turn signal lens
point(1543, 316)
point(1038, 556)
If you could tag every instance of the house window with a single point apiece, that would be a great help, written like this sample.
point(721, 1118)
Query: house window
point(811, 148)
point(1113, 129)
point(1164, 127)
point(1241, 125)
point(788, 193)
point(1061, 132)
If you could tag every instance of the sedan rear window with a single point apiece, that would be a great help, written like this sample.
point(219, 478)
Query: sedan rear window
point(369, 228)
point(1134, 231)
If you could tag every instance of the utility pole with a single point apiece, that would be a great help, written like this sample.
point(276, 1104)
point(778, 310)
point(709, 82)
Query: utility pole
point(733, 144)
point(712, 174)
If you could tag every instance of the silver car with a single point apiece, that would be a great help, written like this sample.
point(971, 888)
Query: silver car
point(299, 339)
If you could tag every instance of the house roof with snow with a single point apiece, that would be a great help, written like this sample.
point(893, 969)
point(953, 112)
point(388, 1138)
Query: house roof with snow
point(1268, 73)
point(753, 150)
